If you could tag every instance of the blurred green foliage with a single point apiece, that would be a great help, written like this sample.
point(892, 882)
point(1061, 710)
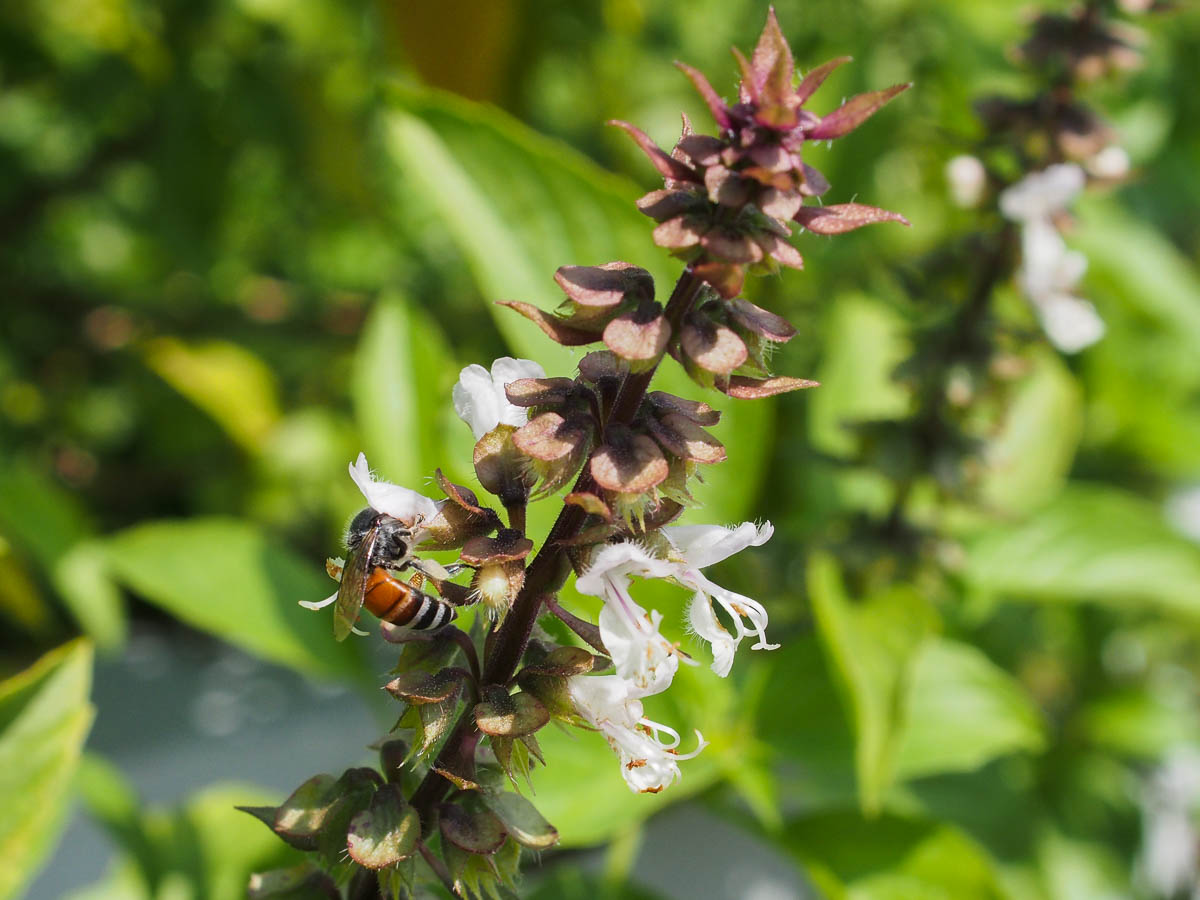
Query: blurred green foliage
point(241, 240)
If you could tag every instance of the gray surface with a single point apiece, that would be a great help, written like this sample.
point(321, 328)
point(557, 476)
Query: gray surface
point(177, 715)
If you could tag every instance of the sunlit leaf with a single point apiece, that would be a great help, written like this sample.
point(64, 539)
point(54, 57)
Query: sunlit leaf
point(402, 378)
point(50, 525)
point(864, 344)
point(87, 589)
point(963, 710)
point(44, 717)
point(225, 577)
point(226, 380)
point(872, 646)
point(1079, 870)
point(890, 858)
point(1027, 462)
point(1091, 544)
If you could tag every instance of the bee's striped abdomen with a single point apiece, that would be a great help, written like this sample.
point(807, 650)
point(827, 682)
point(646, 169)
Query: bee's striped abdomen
point(391, 600)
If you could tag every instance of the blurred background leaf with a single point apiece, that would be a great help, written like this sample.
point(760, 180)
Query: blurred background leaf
point(44, 719)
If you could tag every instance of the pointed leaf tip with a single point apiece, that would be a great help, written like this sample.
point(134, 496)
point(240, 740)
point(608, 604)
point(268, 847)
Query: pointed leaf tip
point(716, 105)
point(842, 217)
point(853, 113)
point(817, 76)
point(667, 166)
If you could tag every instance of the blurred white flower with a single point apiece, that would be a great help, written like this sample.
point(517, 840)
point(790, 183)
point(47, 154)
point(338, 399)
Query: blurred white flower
point(479, 398)
point(1071, 323)
point(641, 655)
point(699, 546)
point(967, 179)
point(1170, 861)
point(399, 502)
point(1111, 162)
point(1183, 511)
point(1039, 195)
point(648, 763)
point(1050, 271)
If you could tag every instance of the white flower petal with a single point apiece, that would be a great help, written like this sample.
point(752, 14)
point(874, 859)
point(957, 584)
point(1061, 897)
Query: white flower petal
point(648, 764)
point(967, 179)
point(479, 397)
point(1071, 323)
point(1041, 194)
point(505, 371)
point(475, 400)
point(704, 622)
point(1111, 162)
point(640, 654)
point(625, 558)
point(706, 545)
point(406, 505)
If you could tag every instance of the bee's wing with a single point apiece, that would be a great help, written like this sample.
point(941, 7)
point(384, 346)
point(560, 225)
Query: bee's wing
point(353, 586)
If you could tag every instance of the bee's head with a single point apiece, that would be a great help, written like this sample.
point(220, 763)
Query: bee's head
point(363, 521)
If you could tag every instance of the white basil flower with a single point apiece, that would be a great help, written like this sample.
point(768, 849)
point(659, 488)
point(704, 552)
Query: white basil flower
point(648, 763)
point(479, 397)
point(399, 502)
point(641, 655)
point(1039, 195)
point(1049, 271)
point(700, 546)
point(967, 179)
point(1111, 162)
point(1170, 858)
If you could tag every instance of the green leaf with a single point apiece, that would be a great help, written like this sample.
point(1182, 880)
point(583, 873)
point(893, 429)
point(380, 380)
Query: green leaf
point(519, 205)
point(225, 845)
point(524, 823)
point(963, 710)
point(403, 371)
point(871, 647)
point(301, 882)
point(85, 585)
point(226, 380)
point(891, 858)
point(1091, 544)
point(299, 819)
point(224, 576)
point(50, 525)
point(1141, 723)
point(112, 801)
point(1080, 870)
point(44, 718)
point(1027, 463)
point(802, 719)
point(864, 343)
point(385, 832)
point(1143, 376)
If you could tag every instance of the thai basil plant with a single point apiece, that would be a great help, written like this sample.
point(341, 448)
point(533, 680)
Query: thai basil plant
point(449, 800)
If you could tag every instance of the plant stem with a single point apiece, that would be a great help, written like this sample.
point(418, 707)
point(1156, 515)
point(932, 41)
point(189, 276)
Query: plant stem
point(439, 868)
point(509, 643)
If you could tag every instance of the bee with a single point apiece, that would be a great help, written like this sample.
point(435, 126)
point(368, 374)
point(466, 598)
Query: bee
point(378, 545)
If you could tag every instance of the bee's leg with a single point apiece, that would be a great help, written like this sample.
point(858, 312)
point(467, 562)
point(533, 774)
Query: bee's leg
point(434, 570)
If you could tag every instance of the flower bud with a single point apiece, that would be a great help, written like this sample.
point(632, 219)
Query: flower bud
point(596, 295)
point(502, 469)
point(556, 447)
point(499, 568)
point(459, 518)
